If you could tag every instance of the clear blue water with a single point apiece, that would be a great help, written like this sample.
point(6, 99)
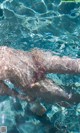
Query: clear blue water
point(46, 24)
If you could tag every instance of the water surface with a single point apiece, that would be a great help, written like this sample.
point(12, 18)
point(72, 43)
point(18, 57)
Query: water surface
point(49, 25)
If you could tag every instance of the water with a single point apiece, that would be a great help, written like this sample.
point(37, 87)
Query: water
point(50, 25)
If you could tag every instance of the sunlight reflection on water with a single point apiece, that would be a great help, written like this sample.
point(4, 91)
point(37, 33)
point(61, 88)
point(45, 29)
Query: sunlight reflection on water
point(46, 24)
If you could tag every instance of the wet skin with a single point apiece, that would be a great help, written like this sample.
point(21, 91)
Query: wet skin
point(27, 70)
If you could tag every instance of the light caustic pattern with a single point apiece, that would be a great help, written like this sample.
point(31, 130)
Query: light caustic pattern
point(50, 25)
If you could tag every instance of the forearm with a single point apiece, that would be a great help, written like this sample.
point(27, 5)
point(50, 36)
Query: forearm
point(55, 64)
point(64, 65)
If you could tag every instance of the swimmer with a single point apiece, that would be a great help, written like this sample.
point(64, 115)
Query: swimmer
point(27, 70)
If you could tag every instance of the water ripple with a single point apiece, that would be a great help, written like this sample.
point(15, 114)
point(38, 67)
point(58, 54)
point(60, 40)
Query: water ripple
point(46, 24)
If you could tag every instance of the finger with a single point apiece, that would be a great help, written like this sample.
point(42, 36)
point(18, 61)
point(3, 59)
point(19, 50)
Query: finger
point(47, 92)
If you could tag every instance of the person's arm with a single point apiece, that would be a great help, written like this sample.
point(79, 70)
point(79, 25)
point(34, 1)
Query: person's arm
point(64, 65)
point(56, 64)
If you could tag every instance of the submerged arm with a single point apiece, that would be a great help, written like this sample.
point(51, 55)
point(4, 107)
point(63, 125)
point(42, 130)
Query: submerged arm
point(64, 65)
point(56, 64)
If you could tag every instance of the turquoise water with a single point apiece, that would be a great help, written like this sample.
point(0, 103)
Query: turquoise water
point(46, 24)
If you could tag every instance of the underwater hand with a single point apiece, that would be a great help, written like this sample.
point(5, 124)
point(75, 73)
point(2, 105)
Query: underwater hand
point(25, 69)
